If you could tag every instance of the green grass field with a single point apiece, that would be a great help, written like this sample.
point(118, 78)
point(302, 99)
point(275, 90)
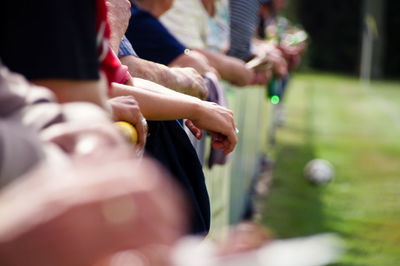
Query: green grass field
point(358, 130)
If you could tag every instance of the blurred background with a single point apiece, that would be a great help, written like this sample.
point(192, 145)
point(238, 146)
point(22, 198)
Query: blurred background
point(342, 105)
point(338, 28)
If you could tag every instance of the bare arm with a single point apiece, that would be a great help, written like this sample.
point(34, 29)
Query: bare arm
point(192, 59)
point(231, 69)
point(184, 80)
point(118, 17)
point(157, 104)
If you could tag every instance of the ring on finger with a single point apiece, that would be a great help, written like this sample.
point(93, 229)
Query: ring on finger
point(145, 125)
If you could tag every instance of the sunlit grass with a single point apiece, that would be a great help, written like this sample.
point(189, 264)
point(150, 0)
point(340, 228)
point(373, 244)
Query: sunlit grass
point(357, 129)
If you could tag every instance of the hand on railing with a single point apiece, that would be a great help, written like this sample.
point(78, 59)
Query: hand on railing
point(128, 130)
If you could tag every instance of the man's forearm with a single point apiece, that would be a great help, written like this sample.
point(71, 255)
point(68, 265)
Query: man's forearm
point(118, 18)
point(144, 69)
point(231, 69)
point(179, 80)
point(192, 59)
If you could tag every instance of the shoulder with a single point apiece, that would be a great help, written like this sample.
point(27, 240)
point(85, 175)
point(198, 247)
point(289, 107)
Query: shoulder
point(151, 40)
point(144, 26)
point(139, 15)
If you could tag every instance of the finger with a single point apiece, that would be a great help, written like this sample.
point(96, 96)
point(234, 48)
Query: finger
point(216, 135)
point(203, 90)
point(142, 129)
point(222, 142)
point(222, 145)
point(195, 130)
point(217, 145)
point(230, 142)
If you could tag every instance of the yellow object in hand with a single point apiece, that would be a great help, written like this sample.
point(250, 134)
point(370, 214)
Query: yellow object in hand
point(128, 130)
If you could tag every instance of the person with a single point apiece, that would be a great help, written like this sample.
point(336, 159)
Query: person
point(49, 150)
point(172, 105)
point(152, 41)
point(76, 75)
point(72, 85)
point(185, 80)
point(147, 19)
point(277, 30)
point(243, 16)
point(188, 22)
point(64, 55)
point(145, 28)
point(30, 116)
point(218, 39)
point(168, 142)
point(66, 60)
point(87, 209)
point(244, 19)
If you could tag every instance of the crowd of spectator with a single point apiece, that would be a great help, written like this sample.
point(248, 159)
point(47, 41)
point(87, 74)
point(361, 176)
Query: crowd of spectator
point(73, 190)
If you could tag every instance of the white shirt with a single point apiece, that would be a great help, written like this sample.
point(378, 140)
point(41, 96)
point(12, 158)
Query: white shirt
point(188, 21)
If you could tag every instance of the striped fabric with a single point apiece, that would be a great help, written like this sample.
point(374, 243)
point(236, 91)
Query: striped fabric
point(125, 48)
point(244, 15)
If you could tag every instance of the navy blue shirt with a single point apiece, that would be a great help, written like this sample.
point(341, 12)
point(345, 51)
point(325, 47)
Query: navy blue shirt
point(167, 141)
point(169, 144)
point(151, 40)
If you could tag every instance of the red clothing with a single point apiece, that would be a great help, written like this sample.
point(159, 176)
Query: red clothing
point(109, 63)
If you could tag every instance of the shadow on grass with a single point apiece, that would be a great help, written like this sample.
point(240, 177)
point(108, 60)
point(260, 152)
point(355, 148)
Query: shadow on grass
point(293, 206)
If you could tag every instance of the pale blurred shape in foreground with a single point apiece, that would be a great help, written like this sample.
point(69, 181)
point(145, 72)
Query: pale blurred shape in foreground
point(315, 250)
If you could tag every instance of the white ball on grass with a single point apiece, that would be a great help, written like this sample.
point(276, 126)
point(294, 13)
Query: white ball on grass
point(319, 171)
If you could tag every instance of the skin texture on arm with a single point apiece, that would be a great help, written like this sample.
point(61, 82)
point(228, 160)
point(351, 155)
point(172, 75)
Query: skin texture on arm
point(170, 104)
point(118, 16)
point(164, 104)
point(193, 59)
point(185, 80)
point(231, 69)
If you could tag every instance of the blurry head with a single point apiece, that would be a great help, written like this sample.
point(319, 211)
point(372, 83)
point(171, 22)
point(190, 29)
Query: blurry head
point(279, 5)
point(266, 8)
